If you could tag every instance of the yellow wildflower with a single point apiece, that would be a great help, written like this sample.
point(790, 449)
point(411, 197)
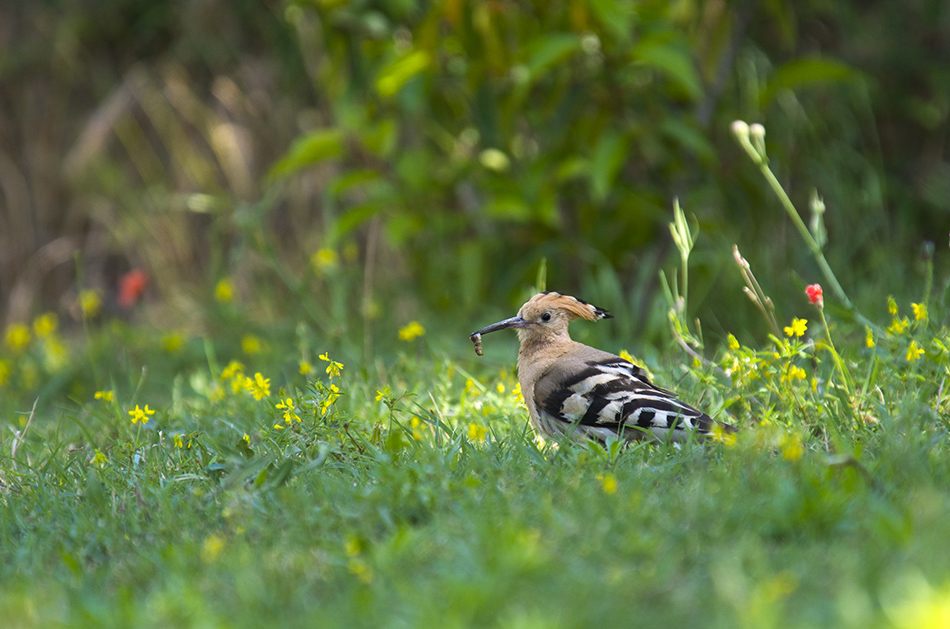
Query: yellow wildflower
point(891, 306)
point(415, 423)
point(920, 311)
point(516, 393)
point(471, 388)
point(233, 370)
point(794, 373)
point(251, 344)
point(792, 448)
point(247, 439)
point(411, 331)
point(90, 303)
point(334, 367)
point(290, 412)
point(797, 328)
point(898, 326)
point(476, 432)
point(105, 396)
point(721, 435)
point(45, 325)
point(352, 546)
point(914, 351)
point(381, 394)
point(259, 386)
point(212, 548)
point(608, 482)
point(178, 442)
point(305, 368)
point(99, 458)
point(331, 398)
point(173, 342)
point(733, 342)
point(141, 414)
point(17, 337)
point(361, 569)
point(224, 290)
point(324, 261)
point(868, 337)
point(500, 387)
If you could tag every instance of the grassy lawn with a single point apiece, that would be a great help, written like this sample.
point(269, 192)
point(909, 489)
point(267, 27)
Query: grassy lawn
point(334, 498)
point(233, 214)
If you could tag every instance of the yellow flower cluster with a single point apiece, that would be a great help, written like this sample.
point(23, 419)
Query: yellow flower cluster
point(17, 337)
point(258, 386)
point(324, 261)
point(332, 395)
point(250, 344)
point(797, 328)
point(234, 374)
point(90, 303)
point(413, 330)
point(333, 367)
point(289, 412)
point(224, 291)
point(608, 482)
point(477, 432)
point(141, 414)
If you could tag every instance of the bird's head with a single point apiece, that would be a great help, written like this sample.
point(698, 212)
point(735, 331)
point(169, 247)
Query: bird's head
point(546, 316)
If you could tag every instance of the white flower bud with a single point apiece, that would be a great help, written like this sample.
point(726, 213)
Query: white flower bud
point(740, 129)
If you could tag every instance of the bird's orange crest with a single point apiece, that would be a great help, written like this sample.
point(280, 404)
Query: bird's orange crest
point(553, 300)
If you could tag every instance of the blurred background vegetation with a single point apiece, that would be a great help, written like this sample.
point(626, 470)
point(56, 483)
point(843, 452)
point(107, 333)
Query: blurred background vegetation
point(360, 164)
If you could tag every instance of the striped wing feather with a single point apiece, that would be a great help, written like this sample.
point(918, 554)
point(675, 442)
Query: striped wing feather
point(603, 392)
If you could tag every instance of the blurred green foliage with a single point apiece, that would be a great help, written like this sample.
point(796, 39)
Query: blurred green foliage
point(451, 146)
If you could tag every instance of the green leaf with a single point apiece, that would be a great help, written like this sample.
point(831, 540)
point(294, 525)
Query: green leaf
point(310, 149)
point(608, 157)
point(689, 137)
point(671, 58)
point(616, 17)
point(801, 72)
point(350, 220)
point(548, 50)
point(394, 76)
point(352, 179)
point(572, 168)
point(508, 207)
point(280, 475)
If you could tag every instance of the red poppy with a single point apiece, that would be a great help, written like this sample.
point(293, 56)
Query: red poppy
point(814, 295)
point(131, 287)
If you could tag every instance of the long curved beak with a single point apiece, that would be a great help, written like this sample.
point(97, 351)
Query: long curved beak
point(513, 322)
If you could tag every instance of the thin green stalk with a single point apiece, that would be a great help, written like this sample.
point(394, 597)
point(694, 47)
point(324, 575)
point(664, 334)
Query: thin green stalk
point(848, 385)
point(752, 140)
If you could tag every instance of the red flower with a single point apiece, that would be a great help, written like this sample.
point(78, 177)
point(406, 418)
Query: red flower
point(814, 295)
point(131, 287)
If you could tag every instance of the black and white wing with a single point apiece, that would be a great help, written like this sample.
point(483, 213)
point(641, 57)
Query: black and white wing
point(603, 395)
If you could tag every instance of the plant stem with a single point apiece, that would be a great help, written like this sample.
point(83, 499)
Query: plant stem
point(806, 235)
point(849, 387)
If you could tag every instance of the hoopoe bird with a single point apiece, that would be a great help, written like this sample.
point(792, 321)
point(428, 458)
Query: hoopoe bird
point(582, 392)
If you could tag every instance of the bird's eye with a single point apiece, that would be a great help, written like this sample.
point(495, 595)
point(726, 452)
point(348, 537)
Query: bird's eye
point(546, 317)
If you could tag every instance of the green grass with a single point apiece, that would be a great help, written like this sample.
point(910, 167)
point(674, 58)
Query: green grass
point(440, 508)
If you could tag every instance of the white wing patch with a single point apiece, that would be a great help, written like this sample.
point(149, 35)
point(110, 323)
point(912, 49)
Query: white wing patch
point(575, 406)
